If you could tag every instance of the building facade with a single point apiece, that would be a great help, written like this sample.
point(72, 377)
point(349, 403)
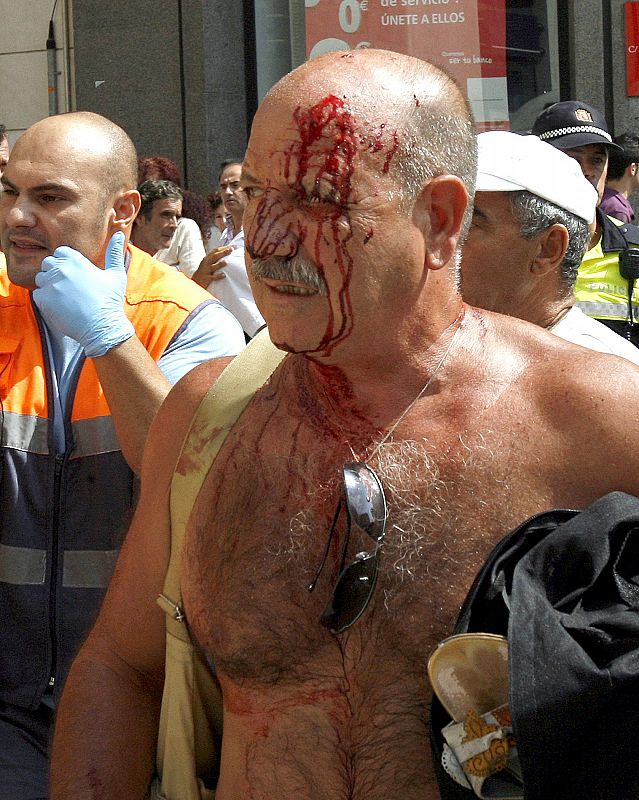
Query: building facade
point(184, 77)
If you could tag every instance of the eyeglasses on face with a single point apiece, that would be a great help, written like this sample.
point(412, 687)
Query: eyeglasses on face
point(365, 504)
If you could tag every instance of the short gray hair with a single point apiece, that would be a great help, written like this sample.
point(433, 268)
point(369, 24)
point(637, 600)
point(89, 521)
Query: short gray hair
point(535, 215)
point(438, 137)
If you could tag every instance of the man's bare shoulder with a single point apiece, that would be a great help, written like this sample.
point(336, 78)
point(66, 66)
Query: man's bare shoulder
point(589, 380)
point(174, 416)
point(584, 401)
point(560, 361)
point(587, 373)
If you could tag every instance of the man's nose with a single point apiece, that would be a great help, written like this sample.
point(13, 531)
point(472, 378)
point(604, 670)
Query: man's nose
point(20, 214)
point(275, 229)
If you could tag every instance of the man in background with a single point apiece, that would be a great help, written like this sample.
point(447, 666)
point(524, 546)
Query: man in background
point(4, 148)
point(186, 250)
point(159, 215)
point(601, 289)
point(219, 220)
point(623, 178)
point(531, 215)
point(223, 271)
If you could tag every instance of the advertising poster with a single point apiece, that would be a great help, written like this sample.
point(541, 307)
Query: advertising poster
point(466, 37)
point(632, 49)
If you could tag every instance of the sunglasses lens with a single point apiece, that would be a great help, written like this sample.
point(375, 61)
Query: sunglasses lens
point(365, 498)
point(352, 593)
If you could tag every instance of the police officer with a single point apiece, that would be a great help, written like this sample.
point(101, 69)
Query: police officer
point(605, 286)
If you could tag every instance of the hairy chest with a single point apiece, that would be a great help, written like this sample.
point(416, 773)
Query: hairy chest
point(260, 529)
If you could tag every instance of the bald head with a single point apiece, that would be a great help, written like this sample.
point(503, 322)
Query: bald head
point(359, 165)
point(70, 180)
point(414, 111)
point(98, 144)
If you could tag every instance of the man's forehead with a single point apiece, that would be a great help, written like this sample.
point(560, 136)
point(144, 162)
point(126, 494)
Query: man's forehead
point(167, 204)
point(75, 166)
point(23, 173)
point(588, 150)
point(327, 135)
point(64, 145)
point(231, 171)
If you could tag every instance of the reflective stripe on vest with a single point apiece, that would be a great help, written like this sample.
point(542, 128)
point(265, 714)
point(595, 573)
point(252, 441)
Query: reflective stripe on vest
point(599, 289)
point(23, 432)
point(606, 310)
point(90, 436)
point(22, 565)
point(88, 569)
point(83, 569)
point(94, 436)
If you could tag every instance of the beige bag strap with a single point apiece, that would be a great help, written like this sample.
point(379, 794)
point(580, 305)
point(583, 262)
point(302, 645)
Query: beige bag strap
point(191, 717)
point(214, 418)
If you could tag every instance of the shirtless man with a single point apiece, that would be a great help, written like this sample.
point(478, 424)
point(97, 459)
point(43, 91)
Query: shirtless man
point(358, 173)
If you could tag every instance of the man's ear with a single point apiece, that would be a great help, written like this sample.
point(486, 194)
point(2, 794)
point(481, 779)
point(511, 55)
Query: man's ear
point(439, 213)
point(551, 249)
point(125, 209)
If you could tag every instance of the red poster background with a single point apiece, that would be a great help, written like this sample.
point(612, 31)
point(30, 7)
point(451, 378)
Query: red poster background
point(466, 37)
point(632, 49)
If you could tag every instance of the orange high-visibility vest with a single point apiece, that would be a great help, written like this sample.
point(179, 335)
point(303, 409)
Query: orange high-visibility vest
point(63, 516)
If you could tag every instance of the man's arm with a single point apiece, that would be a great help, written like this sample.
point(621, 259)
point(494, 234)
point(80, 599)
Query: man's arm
point(135, 388)
point(106, 730)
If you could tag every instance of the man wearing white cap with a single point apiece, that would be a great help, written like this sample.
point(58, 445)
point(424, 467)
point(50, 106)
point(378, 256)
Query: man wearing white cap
point(531, 215)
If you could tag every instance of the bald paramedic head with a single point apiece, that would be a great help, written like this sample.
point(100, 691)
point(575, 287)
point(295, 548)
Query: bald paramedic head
point(529, 232)
point(70, 180)
point(357, 177)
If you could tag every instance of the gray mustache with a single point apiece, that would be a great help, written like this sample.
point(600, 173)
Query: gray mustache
point(294, 270)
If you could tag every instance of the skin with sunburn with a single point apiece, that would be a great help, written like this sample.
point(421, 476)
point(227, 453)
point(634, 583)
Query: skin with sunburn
point(307, 713)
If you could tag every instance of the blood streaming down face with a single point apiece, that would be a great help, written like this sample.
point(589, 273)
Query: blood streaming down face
point(321, 166)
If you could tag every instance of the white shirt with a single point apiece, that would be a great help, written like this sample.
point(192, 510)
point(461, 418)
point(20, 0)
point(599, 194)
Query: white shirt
point(186, 250)
point(234, 290)
point(578, 328)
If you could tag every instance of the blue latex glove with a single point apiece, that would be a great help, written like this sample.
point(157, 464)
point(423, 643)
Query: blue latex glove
point(80, 300)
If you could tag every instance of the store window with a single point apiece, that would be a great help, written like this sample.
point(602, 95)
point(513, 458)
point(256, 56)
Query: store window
point(504, 53)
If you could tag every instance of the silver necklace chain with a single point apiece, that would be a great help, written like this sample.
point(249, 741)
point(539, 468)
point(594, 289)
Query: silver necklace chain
point(422, 392)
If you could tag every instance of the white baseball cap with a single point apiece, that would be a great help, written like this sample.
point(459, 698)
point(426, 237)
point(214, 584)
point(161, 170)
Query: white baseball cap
point(509, 162)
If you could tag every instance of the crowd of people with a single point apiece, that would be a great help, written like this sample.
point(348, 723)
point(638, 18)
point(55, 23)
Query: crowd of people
point(433, 336)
